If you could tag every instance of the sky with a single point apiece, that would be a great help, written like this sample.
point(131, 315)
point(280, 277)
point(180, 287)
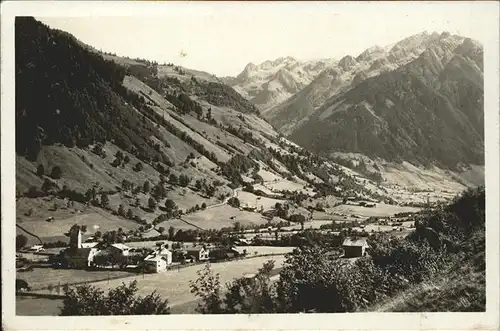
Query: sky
point(223, 37)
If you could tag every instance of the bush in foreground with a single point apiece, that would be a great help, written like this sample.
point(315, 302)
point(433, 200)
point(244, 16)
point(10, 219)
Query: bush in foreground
point(89, 300)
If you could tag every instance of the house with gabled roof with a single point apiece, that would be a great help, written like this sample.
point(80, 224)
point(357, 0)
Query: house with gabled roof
point(156, 263)
point(201, 253)
point(120, 249)
point(355, 247)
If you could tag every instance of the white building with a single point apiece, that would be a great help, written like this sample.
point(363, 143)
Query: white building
point(88, 245)
point(36, 248)
point(159, 259)
point(156, 263)
point(199, 253)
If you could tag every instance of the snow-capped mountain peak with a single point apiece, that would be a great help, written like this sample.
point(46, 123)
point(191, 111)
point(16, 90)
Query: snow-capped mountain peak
point(271, 82)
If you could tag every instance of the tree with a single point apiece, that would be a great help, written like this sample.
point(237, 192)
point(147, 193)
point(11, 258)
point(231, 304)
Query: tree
point(146, 187)
point(159, 191)
point(171, 233)
point(116, 162)
point(85, 300)
point(40, 170)
point(21, 241)
point(126, 159)
point(319, 205)
point(152, 204)
point(184, 180)
point(254, 295)
point(121, 210)
point(234, 202)
point(313, 281)
point(207, 287)
point(203, 205)
point(161, 229)
point(170, 205)
point(56, 172)
point(243, 295)
point(173, 179)
point(97, 235)
point(297, 218)
point(198, 184)
point(138, 167)
point(104, 200)
point(49, 186)
point(119, 155)
point(130, 214)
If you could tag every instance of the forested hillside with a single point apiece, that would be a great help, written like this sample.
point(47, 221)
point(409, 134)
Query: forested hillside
point(117, 136)
point(75, 97)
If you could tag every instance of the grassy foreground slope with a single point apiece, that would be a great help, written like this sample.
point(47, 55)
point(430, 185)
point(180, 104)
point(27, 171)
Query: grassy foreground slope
point(458, 284)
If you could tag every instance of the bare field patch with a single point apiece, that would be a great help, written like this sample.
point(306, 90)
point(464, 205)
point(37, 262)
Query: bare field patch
point(224, 216)
point(252, 200)
point(41, 278)
point(94, 218)
point(286, 185)
point(381, 209)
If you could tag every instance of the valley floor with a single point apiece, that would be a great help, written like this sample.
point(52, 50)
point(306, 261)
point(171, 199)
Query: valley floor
point(172, 284)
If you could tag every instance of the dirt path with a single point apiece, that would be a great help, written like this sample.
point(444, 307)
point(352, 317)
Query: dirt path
point(30, 233)
point(234, 195)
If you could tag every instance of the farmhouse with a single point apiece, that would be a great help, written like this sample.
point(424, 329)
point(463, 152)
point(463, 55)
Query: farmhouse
point(163, 251)
point(159, 259)
point(120, 249)
point(155, 263)
point(36, 248)
point(199, 254)
point(88, 244)
point(224, 253)
point(354, 247)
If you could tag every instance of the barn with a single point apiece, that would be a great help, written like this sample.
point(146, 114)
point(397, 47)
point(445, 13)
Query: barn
point(354, 247)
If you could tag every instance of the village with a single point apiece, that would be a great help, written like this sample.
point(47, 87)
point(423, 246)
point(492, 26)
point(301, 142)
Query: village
point(86, 256)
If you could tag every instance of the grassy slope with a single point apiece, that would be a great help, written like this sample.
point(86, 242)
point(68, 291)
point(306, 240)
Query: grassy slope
point(461, 289)
point(78, 174)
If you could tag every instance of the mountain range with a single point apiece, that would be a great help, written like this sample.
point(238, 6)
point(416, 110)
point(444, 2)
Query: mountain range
point(420, 100)
point(272, 82)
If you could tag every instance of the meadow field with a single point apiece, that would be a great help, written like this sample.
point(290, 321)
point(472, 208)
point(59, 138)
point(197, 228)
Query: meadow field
point(174, 284)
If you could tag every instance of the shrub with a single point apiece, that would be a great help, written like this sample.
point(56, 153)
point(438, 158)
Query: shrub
point(89, 300)
point(40, 170)
point(56, 172)
point(152, 204)
point(184, 180)
point(234, 202)
point(138, 167)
